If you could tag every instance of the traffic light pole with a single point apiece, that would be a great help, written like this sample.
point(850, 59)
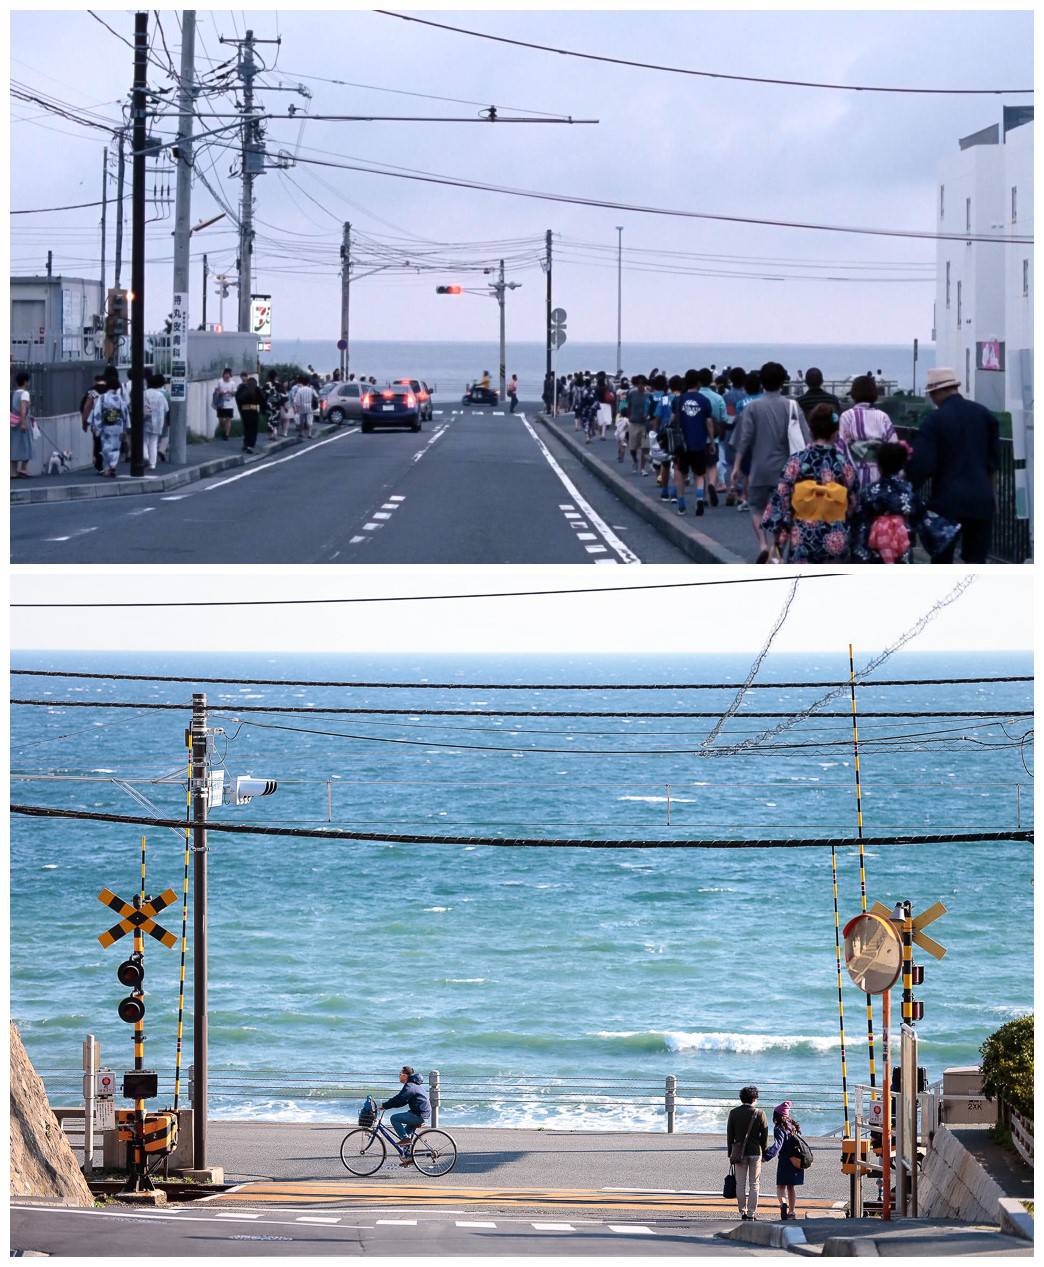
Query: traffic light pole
point(138, 107)
point(199, 789)
point(548, 369)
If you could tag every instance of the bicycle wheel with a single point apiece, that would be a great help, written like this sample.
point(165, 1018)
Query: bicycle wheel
point(434, 1153)
point(363, 1151)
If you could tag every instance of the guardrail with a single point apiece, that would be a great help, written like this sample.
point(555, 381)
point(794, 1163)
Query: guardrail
point(1021, 1135)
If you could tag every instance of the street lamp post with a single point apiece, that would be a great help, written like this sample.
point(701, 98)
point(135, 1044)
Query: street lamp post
point(619, 299)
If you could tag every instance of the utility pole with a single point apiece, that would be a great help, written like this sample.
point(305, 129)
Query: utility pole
point(619, 299)
point(503, 350)
point(346, 283)
point(50, 261)
point(199, 789)
point(138, 108)
point(247, 68)
point(548, 372)
point(105, 207)
point(205, 276)
point(120, 168)
point(182, 236)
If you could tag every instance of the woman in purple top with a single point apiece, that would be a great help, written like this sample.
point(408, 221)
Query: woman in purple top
point(863, 429)
point(789, 1174)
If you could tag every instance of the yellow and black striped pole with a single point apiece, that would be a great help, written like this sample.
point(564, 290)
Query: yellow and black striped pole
point(840, 1000)
point(139, 1039)
point(184, 935)
point(907, 935)
point(862, 860)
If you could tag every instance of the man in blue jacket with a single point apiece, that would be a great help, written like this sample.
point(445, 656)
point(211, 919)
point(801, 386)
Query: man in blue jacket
point(957, 448)
point(414, 1098)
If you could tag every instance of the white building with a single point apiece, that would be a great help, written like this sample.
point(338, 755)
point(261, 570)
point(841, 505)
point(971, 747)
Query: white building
point(984, 301)
point(55, 318)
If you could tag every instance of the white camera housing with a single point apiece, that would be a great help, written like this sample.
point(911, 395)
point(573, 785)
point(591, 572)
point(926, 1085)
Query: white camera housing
point(247, 787)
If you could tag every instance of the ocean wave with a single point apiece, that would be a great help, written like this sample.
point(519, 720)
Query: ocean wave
point(676, 1041)
point(463, 981)
point(437, 910)
point(716, 889)
point(661, 800)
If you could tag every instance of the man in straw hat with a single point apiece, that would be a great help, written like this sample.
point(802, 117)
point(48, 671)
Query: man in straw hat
point(957, 448)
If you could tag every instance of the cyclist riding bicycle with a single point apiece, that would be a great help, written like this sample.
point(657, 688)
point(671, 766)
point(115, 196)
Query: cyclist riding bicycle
point(414, 1096)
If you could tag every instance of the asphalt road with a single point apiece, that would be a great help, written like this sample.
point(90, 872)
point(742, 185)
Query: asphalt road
point(475, 486)
point(199, 1229)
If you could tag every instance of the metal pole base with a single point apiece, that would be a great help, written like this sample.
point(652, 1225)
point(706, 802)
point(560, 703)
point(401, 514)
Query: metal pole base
point(138, 1184)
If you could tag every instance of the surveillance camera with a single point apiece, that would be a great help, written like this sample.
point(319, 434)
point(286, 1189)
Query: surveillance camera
point(247, 787)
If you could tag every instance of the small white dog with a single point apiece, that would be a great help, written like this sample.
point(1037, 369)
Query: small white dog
point(60, 460)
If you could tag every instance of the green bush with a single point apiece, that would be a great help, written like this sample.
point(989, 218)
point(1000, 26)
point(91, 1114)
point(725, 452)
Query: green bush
point(1007, 1065)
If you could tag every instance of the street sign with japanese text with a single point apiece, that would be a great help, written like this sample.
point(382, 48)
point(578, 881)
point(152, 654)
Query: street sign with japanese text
point(179, 346)
point(261, 316)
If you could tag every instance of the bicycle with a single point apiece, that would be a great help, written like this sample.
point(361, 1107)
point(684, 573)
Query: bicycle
point(364, 1150)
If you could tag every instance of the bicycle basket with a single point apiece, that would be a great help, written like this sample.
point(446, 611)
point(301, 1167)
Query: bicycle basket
point(368, 1112)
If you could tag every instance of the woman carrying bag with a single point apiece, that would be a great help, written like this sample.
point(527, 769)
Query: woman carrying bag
point(746, 1136)
point(794, 1158)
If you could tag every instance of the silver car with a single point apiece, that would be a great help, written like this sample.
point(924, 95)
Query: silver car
point(340, 402)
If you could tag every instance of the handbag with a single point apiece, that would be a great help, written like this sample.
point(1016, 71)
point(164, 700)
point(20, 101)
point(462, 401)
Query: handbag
point(728, 1188)
point(795, 436)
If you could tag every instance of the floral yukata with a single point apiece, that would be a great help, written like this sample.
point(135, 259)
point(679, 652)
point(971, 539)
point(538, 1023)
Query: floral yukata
point(890, 512)
point(814, 506)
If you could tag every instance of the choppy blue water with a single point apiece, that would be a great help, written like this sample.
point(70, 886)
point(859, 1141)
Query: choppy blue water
point(449, 366)
point(505, 964)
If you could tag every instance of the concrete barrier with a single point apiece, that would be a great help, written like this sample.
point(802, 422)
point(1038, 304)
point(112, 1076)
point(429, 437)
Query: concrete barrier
point(1014, 1218)
point(953, 1185)
point(768, 1235)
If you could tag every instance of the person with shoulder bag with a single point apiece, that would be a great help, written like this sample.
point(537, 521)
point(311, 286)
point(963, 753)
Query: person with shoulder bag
point(746, 1136)
point(794, 1158)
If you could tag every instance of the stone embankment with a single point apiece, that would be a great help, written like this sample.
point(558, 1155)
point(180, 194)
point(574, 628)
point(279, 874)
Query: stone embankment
point(42, 1163)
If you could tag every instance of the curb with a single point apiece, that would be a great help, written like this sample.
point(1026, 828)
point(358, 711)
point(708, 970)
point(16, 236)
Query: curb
point(1015, 1219)
point(850, 1246)
point(697, 545)
point(767, 1235)
point(131, 487)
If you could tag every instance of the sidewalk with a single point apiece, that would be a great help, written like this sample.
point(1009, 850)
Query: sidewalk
point(203, 459)
point(722, 535)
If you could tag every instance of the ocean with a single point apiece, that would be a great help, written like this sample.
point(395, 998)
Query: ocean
point(543, 984)
point(449, 367)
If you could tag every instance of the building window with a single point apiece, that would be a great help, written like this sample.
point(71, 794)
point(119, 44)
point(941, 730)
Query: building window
point(967, 215)
point(1025, 279)
point(942, 201)
point(1014, 203)
point(958, 303)
point(947, 285)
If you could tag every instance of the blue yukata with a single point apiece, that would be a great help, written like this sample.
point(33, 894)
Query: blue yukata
point(815, 505)
point(109, 421)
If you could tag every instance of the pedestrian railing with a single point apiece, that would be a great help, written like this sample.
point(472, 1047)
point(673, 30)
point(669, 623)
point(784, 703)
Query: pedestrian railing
point(1022, 1136)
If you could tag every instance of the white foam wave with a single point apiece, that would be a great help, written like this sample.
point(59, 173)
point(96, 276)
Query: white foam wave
point(436, 910)
point(744, 1044)
point(661, 800)
point(49, 866)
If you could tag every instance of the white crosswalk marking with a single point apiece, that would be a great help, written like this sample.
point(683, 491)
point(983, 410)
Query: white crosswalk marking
point(221, 1214)
point(553, 1227)
point(469, 1223)
point(399, 1222)
point(315, 1218)
point(628, 1228)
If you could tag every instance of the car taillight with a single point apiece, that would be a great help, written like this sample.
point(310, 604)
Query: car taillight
point(366, 401)
point(424, 395)
point(411, 400)
point(322, 405)
point(388, 395)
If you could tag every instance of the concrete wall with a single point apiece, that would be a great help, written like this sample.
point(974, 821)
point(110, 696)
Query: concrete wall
point(953, 1185)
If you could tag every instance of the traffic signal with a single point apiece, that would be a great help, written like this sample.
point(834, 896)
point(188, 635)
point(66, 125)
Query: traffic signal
point(116, 316)
point(447, 290)
point(131, 973)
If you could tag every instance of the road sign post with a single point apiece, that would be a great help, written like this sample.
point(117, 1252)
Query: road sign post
point(557, 336)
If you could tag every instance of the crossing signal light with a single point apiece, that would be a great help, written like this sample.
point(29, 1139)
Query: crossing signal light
point(448, 290)
point(131, 973)
point(916, 1010)
point(917, 974)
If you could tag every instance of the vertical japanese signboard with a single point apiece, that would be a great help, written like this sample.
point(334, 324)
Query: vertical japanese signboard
point(179, 346)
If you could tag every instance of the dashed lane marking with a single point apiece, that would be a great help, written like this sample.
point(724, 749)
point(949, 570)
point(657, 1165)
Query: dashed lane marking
point(553, 1227)
point(174, 497)
point(370, 527)
point(472, 1223)
point(625, 553)
point(80, 532)
point(436, 437)
point(145, 510)
point(355, 541)
point(398, 1222)
point(315, 1218)
point(399, 498)
point(236, 1215)
point(629, 1229)
point(381, 514)
point(291, 457)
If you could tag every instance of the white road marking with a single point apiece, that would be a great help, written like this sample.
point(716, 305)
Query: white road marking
point(355, 541)
point(567, 507)
point(469, 1223)
point(437, 436)
point(553, 1227)
point(389, 505)
point(370, 527)
point(436, 413)
point(80, 532)
point(174, 497)
point(573, 514)
point(383, 514)
point(397, 499)
point(221, 1214)
point(595, 549)
point(315, 1218)
point(267, 466)
point(613, 561)
point(627, 555)
point(589, 536)
point(399, 1222)
point(498, 413)
point(146, 510)
point(628, 1229)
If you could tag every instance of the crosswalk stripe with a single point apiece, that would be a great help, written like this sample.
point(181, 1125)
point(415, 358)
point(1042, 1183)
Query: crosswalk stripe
point(221, 1214)
point(473, 1223)
point(315, 1218)
point(400, 1222)
point(627, 1228)
point(553, 1227)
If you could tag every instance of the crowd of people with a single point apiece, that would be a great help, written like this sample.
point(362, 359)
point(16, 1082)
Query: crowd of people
point(822, 482)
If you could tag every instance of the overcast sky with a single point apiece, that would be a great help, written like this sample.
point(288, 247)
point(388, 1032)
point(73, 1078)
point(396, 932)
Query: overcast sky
point(868, 606)
point(663, 140)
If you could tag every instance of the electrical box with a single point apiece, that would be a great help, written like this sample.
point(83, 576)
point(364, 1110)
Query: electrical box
point(140, 1084)
point(963, 1101)
point(217, 787)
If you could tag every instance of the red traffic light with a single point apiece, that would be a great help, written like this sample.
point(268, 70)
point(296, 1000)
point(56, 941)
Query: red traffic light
point(448, 290)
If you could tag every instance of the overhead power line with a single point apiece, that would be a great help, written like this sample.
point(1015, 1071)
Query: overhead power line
point(426, 598)
point(321, 711)
point(705, 74)
point(518, 686)
point(40, 211)
point(1016, 835)
point(460, 182)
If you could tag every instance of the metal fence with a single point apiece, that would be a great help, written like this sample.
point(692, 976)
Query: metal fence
point(1012, 542)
